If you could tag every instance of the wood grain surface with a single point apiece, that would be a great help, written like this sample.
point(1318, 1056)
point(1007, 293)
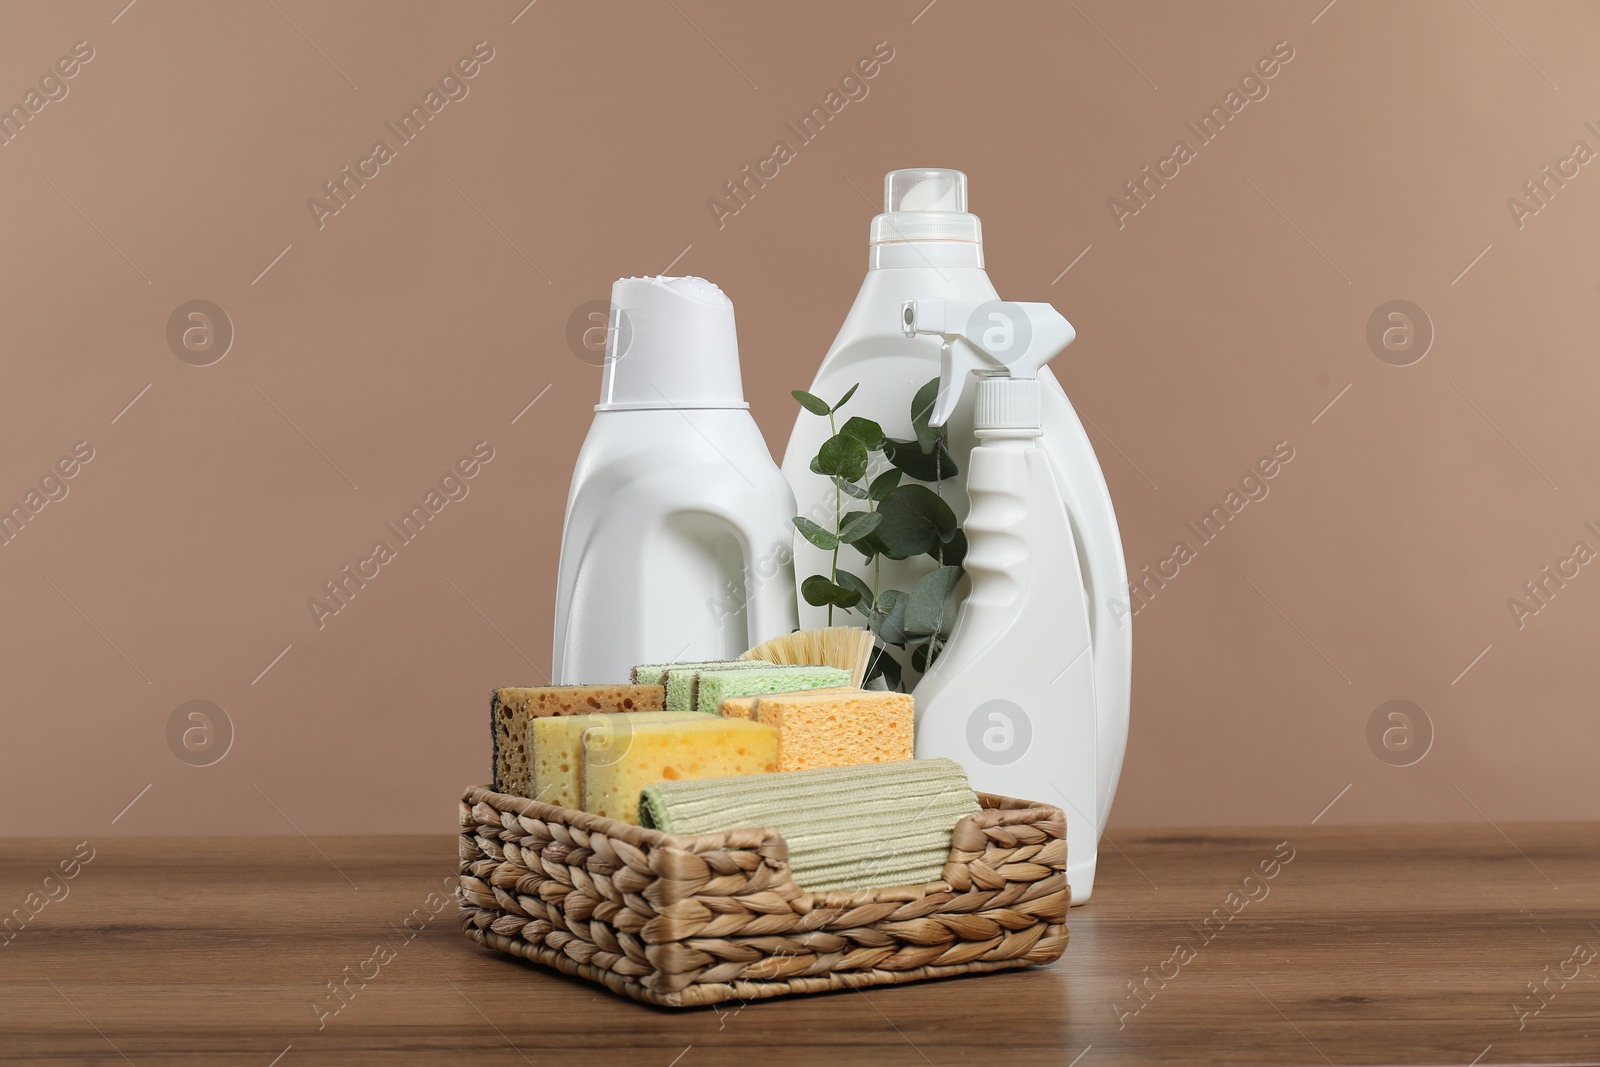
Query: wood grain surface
point(1366, 945)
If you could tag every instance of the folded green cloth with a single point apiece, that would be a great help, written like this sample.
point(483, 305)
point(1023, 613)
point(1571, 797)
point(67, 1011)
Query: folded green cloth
point(870, 826)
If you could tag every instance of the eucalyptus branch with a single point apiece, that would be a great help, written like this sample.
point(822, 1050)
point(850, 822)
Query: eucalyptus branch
point(905, 517)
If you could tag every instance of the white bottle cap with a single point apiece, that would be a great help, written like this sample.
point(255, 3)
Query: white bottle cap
point(671, 343)
point(1009, 404)
point(925, 205)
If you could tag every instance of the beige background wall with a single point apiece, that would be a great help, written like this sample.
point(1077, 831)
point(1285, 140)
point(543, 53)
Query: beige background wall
point(375, 349)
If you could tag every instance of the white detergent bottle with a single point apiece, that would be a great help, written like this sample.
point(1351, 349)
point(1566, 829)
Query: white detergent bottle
point(677, 543)
point(1012, 696)
point(926, 245)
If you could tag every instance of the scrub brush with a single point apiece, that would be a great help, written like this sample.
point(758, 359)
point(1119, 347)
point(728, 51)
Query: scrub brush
point(846, 647)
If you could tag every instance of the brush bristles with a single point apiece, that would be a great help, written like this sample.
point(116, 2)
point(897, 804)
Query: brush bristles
point(846, 647)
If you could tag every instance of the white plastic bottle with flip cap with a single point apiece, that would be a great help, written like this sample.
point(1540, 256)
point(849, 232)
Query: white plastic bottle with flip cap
point(1012, 696)
point(677, 542)
point(926, 245)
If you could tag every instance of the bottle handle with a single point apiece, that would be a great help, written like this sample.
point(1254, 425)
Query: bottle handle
point(770, 604)
point(771, 609)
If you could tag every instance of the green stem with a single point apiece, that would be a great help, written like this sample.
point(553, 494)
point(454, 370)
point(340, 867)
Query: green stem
point(938, 482)
point(838, 509)
point(872, 508)
point(938, 487)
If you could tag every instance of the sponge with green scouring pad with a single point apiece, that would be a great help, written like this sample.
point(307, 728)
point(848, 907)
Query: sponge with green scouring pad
point(712, 686)
point(656, 673)
point(679, 679)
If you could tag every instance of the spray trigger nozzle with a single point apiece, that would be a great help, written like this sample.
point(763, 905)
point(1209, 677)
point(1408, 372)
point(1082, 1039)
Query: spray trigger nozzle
point(992, 338)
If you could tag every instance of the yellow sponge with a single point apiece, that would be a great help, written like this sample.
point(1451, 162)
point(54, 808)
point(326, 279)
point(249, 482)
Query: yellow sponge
point(745, 707)
point(739, 707)
point(624, 755)
point(838, 728)
point(556, 745)
point(513, 707)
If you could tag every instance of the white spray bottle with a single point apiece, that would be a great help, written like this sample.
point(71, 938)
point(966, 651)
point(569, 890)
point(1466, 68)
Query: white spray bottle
point(677, 542)
point(1012, 696)
point(924, 245)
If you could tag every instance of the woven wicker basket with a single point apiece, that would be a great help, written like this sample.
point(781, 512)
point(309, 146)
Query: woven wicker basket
point(680, 920)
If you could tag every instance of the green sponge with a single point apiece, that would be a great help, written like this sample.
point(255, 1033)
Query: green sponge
point(680, 678)
point(711, 686)
point(656, 673)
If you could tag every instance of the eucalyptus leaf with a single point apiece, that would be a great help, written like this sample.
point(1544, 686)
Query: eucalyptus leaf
point(814, 404)
point(857, 525)
point(929, 609)
point(866, 431)
point(874, 545)
point(817, 590)
point(888, 599)
point(921, 410)
point(883, 484)
point(870, 546)
point(925, 467)
point(952, 554)
point(842, 456)
point(883, 671)
point(843, 400)
point(915, 520)
point(852, 489)
point(823, 539)
point(924, 656)
point(862, 590)
point(890, 622)
point(820, 592)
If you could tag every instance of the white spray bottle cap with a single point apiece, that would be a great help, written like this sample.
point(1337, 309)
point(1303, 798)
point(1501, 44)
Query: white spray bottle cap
point(671, 343)
point(1004, 343)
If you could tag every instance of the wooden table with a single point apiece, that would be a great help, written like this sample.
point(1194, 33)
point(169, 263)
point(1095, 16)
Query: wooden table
point(1366, 945)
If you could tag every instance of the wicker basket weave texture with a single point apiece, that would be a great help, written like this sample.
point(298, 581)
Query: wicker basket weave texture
point(680, 920)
